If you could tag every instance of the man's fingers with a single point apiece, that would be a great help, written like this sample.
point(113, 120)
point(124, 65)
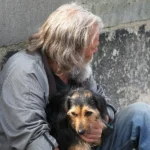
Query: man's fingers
point(90, 139)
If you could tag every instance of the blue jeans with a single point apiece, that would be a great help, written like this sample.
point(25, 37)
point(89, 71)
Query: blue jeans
point(131, 129)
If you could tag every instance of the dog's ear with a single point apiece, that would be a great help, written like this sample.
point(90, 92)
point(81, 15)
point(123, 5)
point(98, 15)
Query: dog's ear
point(67, 103)
point(101, 105)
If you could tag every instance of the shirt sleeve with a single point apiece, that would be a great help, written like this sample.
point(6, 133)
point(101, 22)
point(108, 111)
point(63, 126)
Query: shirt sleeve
point(92, 85)
point(23, 117)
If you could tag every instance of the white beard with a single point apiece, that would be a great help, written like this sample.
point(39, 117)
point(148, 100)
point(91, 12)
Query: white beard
point(81, 74)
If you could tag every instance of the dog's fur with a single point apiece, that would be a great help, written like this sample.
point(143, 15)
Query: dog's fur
point(71, 113)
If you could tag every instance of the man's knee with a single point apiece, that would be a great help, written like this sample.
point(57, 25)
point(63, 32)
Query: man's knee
point(138, 108)
point(134, 112)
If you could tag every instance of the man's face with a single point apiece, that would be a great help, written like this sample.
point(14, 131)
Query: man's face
point(87, 56)
point(91, 49)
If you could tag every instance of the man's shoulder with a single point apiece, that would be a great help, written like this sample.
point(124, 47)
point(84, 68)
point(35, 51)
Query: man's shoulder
point(26, 67)
point(24, 64)
point(24, 60)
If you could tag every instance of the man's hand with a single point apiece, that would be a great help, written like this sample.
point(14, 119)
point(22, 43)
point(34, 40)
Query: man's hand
point(95, 132)
point(56, 148)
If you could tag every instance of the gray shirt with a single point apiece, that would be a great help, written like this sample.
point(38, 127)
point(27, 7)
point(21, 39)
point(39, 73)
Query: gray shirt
point(24, 94)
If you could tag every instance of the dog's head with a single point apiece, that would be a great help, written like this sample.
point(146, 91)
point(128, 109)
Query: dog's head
point(83, 107)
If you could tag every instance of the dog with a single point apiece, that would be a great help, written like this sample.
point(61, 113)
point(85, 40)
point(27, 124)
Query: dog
point(71, 113)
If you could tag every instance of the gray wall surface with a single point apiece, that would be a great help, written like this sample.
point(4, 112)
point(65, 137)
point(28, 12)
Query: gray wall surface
point(116, 12)
point(122, 65)
point(20, 18)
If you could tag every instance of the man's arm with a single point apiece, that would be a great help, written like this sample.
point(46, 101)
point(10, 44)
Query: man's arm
point(42, 143)
point(93, 86)
point(23, 117)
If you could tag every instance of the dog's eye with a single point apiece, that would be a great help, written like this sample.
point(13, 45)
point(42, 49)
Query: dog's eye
point(88, 113)
point(74, 114)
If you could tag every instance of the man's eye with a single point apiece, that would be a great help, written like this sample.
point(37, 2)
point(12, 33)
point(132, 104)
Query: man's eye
point(74, 114)
point(88, 113)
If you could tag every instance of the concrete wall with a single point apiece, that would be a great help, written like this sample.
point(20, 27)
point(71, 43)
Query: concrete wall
point(122, 65)
point(20, 18)
point(123, 60)
point(116, 12)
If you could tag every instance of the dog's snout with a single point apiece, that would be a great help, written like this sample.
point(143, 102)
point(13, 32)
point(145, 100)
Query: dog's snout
point(81, 132)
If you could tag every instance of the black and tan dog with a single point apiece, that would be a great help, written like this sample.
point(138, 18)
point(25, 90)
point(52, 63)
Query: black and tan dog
point(70, 115)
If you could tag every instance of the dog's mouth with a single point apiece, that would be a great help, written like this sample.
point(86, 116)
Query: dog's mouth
point(81, 130)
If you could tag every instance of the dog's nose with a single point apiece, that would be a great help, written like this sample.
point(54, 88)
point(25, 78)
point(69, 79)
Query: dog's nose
point(81, 131)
